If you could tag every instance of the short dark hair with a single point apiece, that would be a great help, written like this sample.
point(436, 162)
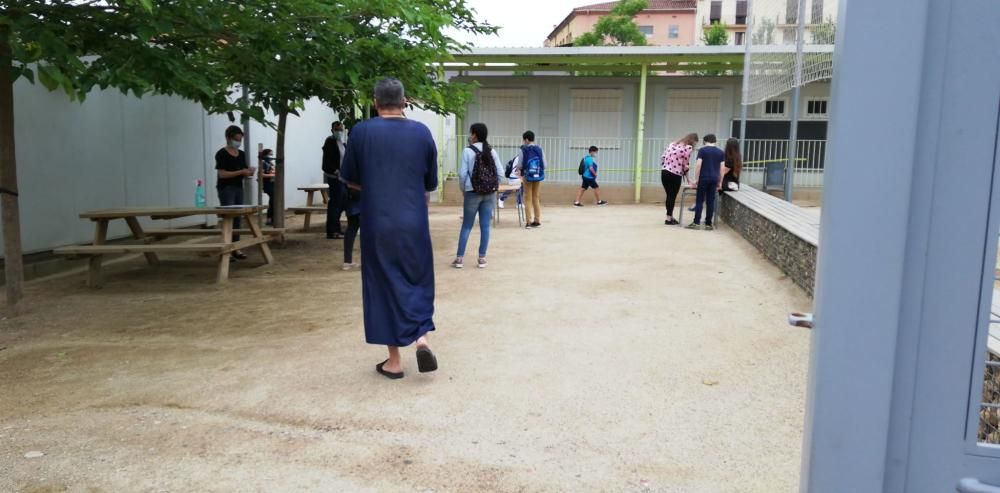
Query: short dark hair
point(233, 131)
point(593, 149)
point(529, 136)
point(338, 122)
point(480, 131)
point(710, 139)
point(390, 94)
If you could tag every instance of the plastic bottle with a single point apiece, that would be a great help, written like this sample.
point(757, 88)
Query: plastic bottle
point(199, 194)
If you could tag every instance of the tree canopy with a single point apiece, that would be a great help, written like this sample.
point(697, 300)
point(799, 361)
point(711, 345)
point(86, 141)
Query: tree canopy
point(716, 35)
point(618, 28)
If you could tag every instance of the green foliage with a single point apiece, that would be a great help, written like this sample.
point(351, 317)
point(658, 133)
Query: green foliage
point(765, 33)
point(284, 52)
point(618, 27)
point(716, 35)
point(825, 33)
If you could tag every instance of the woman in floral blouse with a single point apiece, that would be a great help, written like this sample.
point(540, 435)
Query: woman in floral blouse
point(674, 167)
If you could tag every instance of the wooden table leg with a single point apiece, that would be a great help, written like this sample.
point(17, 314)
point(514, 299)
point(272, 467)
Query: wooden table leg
point(94, 267)
point(137, 232)
point(265, 250)
point(326, 196)
point(309, 203)
point(227, 237)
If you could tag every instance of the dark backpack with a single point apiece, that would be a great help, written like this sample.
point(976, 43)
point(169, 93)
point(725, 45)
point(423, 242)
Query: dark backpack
point(532, 166)
point(484, 172)
point(583, 166)
point(509, 169)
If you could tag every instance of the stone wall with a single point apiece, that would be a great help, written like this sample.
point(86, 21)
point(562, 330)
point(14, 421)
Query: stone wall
point(989, 418)
point(795, 256)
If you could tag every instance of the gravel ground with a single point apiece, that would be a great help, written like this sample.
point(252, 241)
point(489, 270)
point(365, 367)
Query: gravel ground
point(602, 352)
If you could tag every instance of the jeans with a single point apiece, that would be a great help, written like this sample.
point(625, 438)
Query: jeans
point(353, 225)
point(335, 207)
point(706, 195)
point(671, 185)
point(483, 205)
point(533, 201)
point(231, 195)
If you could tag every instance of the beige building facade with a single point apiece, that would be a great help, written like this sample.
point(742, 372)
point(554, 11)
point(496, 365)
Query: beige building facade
point(665, 23)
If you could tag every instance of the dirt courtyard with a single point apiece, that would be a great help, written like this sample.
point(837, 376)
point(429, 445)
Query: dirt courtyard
point(601, 352)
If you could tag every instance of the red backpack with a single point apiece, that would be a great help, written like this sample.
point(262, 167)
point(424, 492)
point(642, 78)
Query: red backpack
point(484, 172)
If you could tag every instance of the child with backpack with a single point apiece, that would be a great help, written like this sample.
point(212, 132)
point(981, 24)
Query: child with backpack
point(513, 179)
point(588, 170)
point(531, 165)
point(479, 177)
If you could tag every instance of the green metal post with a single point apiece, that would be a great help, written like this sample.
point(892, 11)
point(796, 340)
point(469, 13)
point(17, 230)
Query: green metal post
point(640, 133)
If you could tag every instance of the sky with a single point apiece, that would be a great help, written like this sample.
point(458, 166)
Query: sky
point(523, 23)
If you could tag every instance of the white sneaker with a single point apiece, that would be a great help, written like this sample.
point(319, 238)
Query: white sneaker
point(500, 203)
point(351, 266)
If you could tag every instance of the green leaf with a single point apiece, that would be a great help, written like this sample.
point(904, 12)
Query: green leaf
point(46, 78)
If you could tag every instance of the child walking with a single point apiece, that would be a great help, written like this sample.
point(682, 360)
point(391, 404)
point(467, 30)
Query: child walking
point(588, 169)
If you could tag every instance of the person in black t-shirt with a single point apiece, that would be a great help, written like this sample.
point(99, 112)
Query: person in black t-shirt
point(267, 180)
point(231, 167)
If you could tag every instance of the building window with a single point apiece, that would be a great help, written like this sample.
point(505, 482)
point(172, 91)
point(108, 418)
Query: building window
point(817, 11)
point(740, 38)
point(816, 107)
point(674, 31)
point(647, 30)
point(595, 112)
point(791, 11)
point(741, 12)
point(505, 109)
point(715, 14)
point(774, 107)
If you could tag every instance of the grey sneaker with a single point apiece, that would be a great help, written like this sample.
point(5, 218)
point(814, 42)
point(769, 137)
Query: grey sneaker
point(693, 226)
point(482, 262)
point(709, 227)
point(458, 264)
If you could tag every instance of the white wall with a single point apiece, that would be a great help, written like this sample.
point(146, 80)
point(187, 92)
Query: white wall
point(121, 151)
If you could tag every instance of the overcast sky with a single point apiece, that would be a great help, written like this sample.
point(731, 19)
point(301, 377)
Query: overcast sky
point(522, 22)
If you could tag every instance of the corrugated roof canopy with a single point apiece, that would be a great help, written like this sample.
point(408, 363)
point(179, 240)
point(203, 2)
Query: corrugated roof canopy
point(611, 58)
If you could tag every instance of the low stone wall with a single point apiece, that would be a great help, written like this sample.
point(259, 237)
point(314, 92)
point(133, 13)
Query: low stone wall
point(746, 212)
point(989, 418)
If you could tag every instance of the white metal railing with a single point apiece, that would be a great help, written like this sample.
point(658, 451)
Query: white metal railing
point(617, 158)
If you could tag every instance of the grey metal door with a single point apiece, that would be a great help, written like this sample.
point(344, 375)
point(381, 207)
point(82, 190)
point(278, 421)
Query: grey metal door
point(903, 393)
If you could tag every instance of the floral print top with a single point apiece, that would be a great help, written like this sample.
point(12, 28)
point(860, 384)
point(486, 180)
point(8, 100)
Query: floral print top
point(676, 159)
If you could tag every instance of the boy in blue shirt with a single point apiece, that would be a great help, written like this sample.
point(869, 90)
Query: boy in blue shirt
point(708, 170)
point(589, 166)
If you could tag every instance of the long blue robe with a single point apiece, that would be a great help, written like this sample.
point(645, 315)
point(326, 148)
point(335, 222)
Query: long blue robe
point(395, 163)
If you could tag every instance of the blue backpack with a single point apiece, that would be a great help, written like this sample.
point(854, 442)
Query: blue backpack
point(532, 165)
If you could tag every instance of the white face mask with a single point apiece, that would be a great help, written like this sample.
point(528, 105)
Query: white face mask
point(235, 144)
point(339, 135)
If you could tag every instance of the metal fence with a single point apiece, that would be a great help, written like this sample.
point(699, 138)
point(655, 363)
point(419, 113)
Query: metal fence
point(617, 158)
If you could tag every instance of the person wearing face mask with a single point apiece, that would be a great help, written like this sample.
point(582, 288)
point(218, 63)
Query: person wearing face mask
point(231, 167)
point(333, 156)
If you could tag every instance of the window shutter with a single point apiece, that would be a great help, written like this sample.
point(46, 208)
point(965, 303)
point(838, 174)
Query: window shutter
point(716, 14)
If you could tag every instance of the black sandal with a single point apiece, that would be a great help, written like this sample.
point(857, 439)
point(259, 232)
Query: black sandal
point(388, 374)
point(426, 361)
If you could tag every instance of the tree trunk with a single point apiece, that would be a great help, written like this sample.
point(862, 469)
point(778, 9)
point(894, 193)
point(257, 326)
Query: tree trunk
point(279, 169)
point(9, 212)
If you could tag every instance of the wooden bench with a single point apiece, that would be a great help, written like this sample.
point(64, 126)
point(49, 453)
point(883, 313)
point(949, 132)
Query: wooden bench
point(165, 233)
point(307, 211)
point(151, 249)
point(786, 234)
point(311, 207)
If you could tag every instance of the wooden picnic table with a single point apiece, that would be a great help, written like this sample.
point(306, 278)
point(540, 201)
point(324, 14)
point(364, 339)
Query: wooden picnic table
point(223, 248)
point(311, 207)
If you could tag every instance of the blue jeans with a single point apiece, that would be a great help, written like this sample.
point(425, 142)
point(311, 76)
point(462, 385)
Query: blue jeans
point(483, 205)
point(706, 196)
point(335, 207)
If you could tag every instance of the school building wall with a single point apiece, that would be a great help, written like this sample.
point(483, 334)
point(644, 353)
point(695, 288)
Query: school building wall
point(121, 151)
